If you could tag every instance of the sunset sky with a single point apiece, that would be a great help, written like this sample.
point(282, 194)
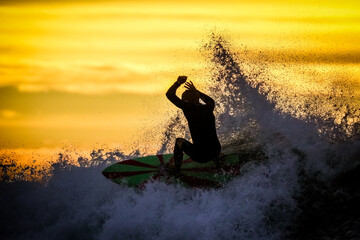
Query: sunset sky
point(87, 74)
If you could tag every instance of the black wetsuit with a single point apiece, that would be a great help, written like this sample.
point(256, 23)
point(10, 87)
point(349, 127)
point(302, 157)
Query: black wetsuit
point(201, 120)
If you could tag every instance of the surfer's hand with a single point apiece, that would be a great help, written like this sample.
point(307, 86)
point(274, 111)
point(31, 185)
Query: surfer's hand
point(181, 79)
point(190, 86)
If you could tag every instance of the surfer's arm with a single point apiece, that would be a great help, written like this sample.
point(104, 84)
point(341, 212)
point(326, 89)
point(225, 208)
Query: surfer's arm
point(210, 103)
point(171, 95)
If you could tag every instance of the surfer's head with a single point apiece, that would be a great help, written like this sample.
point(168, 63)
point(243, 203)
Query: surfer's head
point(190, 96)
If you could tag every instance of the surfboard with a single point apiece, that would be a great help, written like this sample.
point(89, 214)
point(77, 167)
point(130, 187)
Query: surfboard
point(139, 171)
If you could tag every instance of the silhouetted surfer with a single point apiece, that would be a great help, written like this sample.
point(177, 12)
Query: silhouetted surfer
point(201, 120)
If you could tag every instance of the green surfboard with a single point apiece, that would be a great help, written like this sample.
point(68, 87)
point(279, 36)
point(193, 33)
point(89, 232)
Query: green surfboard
point(139, 171)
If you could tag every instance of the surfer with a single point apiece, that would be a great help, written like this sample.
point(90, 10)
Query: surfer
point(201, 121)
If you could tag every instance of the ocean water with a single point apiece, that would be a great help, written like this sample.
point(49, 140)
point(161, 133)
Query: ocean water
point(301, 182)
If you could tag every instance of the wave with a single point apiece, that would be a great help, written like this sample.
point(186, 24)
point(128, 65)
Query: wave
point(302, 182)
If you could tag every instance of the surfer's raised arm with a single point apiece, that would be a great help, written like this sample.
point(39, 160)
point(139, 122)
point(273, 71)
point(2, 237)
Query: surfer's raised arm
point(171, 92)
point(210, 103)
point(207, 100)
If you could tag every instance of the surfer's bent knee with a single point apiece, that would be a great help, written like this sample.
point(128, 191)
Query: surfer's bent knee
point(179, 142)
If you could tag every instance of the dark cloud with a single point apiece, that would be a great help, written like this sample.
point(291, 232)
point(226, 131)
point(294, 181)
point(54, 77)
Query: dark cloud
point(308, 57)
point(318, 20)
point(55, 102)
point(12, 66)
point(4, 49)
point(339, 58)
point(30, 2)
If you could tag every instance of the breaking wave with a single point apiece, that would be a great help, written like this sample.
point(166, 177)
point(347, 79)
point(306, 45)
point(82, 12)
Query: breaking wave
point(302, 180)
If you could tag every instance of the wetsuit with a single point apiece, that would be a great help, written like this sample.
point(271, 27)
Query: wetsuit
point(201, 120)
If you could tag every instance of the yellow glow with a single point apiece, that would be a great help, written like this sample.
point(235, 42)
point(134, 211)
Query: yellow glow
point(60, 63)
point(94, 43)
point(8, 114)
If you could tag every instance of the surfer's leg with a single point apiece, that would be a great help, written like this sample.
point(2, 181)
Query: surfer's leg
point(181, 146)
point(219, 161)
point(178, 153)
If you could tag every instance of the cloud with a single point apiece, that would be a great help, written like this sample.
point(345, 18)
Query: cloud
point(8, 113)
point(15, 2)
point(100, 67)
point(307, 57)
point(13, 66)
point(48, 2)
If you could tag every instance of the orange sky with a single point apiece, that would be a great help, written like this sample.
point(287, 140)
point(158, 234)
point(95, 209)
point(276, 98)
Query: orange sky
point(86, 74)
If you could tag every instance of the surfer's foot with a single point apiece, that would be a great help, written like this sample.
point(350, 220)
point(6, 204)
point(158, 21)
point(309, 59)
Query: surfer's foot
point(178, 154)
point(172, 171)
point(178, 162)
point(219, 161)
point(177, 169)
